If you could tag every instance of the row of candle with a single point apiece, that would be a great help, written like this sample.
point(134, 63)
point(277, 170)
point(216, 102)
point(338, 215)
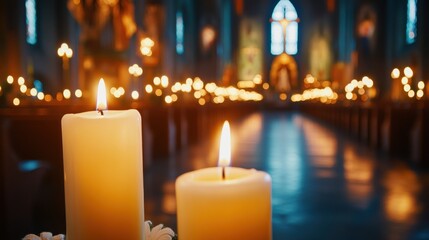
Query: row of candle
point(104, 184)
point(201, 91)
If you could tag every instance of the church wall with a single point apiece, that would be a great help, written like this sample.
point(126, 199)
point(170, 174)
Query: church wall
point(40, 61)
point(332, 24)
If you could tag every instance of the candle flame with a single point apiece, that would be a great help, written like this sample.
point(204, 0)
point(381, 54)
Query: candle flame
point(225, 146)
point(101, 96)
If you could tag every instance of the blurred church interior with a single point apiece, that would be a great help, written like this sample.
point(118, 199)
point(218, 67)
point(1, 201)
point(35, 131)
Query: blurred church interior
point(327, 96)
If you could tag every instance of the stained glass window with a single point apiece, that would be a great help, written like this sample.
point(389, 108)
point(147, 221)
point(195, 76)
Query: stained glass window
point(284, 10)
point(179, 33)
point(31, 20)
point(411, 21)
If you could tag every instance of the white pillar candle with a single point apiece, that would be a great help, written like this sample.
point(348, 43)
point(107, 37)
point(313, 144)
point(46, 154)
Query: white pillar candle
point(103, 173)
point(237, 206)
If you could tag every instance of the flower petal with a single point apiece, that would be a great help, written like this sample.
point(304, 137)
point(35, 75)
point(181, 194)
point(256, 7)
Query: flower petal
point(147, 226)
point(31, 237)
point(46, 236)
point(165, 234)
point(59, 237)
point(160, 233)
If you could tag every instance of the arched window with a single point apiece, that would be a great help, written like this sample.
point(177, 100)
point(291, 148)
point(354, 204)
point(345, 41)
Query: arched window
point(180, 49)
point(31, 21)
point(411, 21)
point(284, 14)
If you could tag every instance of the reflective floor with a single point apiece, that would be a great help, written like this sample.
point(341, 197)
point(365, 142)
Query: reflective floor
point(325, 185)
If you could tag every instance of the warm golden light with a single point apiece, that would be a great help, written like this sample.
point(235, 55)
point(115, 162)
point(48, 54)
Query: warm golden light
point(198, 84)
point(69, 53)
point(59, 96)
point(197, 95)
point(156, 81)
point(146, 51)
point(164, 81)
point(420, 93)
point(210, 87)
point(135, 70)
point(101, 96)
point(117, 94)
point(66, 93)
point(411, 94)
point(158, 92)
point(174, 97)
point(40, 95)
point(283, 96)
point(189, 81)
point(112, 90)
point(349, 88)
point(246, 84)
point(48, 97)
point(121, 91)
point(369, 83)
point(395, 73)
point(407, 87)
point(23, 88)
point(201, 101)
point(64, 50)
point(401, 202)
point(135, 95)
point(186, 88)
point(421, 85)
point(408, 72)
point(266, 86)
point(176, 87)
point(168, 99)
point(349, 95)
point(21, 80)
point(146, 45)
point(78, 93)
point(9, 79)
point(149, 88)
point(225, 146)
point(16, 101)
point(309, 79)
point(257, 79)
point(404, 80)
point(33, 92)
point(400, 206)
point(148, 42)
point(232, 91)
point(296, 98)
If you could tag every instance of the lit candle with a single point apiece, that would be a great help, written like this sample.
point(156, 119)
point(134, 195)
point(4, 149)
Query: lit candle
point(224, 202)
point(103, 173)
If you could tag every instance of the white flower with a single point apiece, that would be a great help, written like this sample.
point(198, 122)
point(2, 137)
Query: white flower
point(44, 236)
point(157, 232)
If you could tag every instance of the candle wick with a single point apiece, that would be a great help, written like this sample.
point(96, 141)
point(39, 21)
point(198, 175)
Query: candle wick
point(100, 111)
point(223, 173)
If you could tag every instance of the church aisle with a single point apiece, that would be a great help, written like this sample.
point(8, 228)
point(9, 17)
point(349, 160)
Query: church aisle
point(325, 186)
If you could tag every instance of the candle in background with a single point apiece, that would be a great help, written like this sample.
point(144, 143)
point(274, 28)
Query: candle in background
point(223, 202)
point(103, 173)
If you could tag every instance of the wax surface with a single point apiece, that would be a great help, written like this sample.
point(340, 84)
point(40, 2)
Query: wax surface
point(238, 207)
point(103, 174)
